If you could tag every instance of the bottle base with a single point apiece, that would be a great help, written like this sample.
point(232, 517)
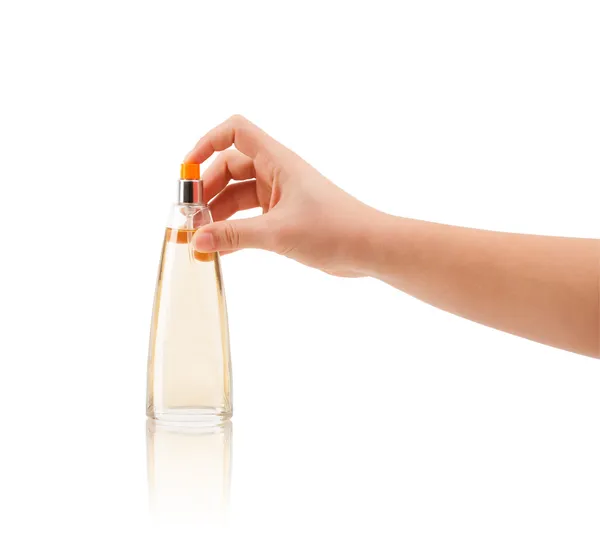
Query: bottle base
point(187, 415)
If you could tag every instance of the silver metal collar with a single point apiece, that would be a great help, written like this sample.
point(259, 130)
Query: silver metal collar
point(190, 191)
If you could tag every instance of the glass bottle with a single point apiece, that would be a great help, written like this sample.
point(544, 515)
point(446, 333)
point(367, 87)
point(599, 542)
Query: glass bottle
point(189, 364)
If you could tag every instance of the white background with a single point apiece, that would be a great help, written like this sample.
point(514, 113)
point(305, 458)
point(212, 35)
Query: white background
point(365, 421)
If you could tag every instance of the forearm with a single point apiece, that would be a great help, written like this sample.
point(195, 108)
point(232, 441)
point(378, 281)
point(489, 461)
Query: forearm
point(542, 288)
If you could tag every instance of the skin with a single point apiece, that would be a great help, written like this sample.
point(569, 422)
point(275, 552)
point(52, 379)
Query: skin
point(546, 289)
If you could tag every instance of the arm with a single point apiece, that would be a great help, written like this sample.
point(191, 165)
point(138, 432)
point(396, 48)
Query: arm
point(541, 288)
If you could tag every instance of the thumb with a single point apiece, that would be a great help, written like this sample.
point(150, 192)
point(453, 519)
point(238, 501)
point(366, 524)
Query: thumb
point(232, 235)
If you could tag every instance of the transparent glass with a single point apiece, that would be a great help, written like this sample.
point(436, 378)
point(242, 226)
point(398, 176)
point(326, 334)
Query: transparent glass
point(189, 471)
point(189, 364)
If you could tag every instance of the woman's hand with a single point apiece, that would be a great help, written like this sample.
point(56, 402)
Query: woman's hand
point(305, 216)
point(539, 287)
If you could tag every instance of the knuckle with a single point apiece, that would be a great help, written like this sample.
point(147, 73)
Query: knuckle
point(226, 161)
point(231, 236)
point(237, 120)
point(222, 159)
point(226, 157)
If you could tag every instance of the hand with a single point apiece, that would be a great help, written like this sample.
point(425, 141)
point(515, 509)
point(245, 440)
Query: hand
point(305, 216)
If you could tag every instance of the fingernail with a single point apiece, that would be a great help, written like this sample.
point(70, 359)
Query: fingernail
point(204, 242)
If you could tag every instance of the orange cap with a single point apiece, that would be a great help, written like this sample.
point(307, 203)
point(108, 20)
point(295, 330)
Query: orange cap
point(190, 171)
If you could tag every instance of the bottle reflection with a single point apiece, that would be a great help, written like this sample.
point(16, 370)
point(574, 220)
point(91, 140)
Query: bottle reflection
point(189, 472)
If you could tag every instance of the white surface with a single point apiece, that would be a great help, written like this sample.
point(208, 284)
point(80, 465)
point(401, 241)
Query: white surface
point(365, 422)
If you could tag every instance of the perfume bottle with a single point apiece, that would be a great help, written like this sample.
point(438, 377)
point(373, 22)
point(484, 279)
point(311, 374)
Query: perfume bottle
point(189, 364)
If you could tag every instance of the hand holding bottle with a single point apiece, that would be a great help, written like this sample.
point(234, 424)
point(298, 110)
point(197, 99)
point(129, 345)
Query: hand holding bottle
point(305, 216)
point(539, 287)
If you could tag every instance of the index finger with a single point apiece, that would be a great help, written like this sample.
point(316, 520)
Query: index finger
point(236, 130)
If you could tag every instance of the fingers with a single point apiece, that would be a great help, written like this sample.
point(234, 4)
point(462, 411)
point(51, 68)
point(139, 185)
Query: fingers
point(236, 197)
point(226, 236)
point(229, 165)
point(246, 136)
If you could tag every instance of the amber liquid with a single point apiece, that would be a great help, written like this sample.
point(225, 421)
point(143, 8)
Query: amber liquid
point(189, 375)
point(184, 236)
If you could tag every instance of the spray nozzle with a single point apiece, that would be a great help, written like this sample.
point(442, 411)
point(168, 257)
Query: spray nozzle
point(190, 185)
